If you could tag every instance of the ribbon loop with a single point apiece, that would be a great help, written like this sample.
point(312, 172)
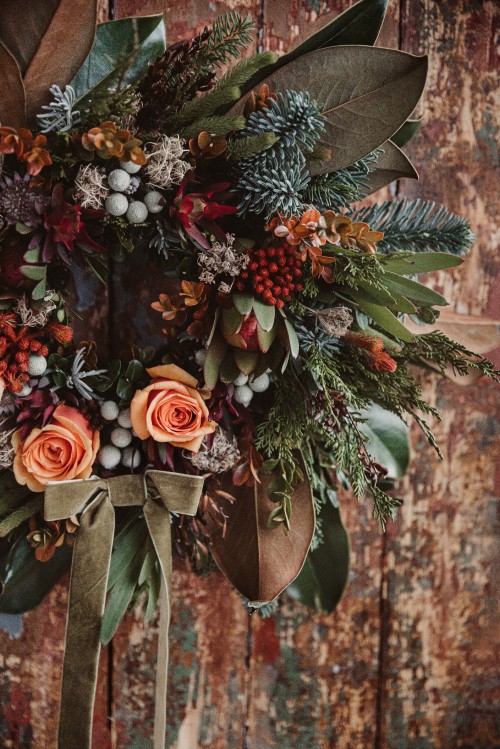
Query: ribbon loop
point(159, 492)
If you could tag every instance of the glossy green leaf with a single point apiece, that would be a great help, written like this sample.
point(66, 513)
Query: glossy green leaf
point(24, 582)
point(406, 132)
point(122, 49)
point(413, 290)
point(391, 164)
point(388, 439)
point(324, 576)
point(365, 93)
point(420, 262)
point(387, 321)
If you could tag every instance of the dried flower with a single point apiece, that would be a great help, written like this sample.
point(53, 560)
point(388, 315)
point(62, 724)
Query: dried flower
point(340, 229)
point(258, 99)
point(107, 141)
point(207, 145)
point(21, 143)
point(222, 260)
point(335, 321)
point(165, 166)
point(6, 449)
point(222, 455)
point(91, 187)
point(374, 346)
point(20, 203)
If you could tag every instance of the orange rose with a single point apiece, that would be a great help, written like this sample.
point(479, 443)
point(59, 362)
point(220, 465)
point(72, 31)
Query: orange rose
point(171, 409)
point(64, 449)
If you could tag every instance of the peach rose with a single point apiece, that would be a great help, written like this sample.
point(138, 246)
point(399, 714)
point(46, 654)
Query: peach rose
point(64, 449)
point(171, 409)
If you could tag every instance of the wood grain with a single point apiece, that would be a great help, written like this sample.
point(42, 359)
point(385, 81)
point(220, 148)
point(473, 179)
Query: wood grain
point(407, 661)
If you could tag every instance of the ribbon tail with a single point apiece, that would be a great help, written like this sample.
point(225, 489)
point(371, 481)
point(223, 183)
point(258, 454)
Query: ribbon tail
point(87, 596)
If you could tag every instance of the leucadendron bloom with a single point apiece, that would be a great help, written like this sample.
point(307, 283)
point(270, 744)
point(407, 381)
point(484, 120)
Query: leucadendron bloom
point(63, 450)
point(171, 409)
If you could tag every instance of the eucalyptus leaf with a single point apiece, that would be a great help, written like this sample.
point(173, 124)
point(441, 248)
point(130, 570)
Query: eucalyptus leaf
point(387, 321)
point(413, 290)
point(323, 578)
point(421, 262)
point(121, 53)
point(387, 439)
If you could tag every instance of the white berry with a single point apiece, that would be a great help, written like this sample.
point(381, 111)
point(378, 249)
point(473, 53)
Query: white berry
point(131, 457)
point(37, 365)
point(130, 167)
point(116, 204)
point(124, 418)
point(200, 357)
point(243, 395)
point(109, 457)
point(260, 384)
point(27, 390)
point(109, 410)
point(137, 212)
point(242, 379)
point(118, 180)
point(121, 437)
point(153, 200)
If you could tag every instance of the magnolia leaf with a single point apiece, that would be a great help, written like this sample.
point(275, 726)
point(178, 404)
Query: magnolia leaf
point(359, 24)
point(123, 48)
point(61, 46)
point(413, 290)
point(388, 439)
point(24, 581)
point(323, 578)
point(260, 561)
point(387, 321)
point(12, 98)
point(391, 164)
point(405, 133)
point(420, 262)
point(365, 93)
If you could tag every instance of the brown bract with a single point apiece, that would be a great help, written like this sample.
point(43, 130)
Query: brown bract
point(107, 142)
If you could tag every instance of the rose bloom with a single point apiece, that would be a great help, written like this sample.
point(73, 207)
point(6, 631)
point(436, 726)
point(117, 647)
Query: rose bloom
point(171, 409)
point(62, 450)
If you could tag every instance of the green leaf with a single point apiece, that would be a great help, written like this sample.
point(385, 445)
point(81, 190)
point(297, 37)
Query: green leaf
point(124, 389)
point(422, 262)
point(265, 314)
point(32, 256)
point(324, 575)
point(40, 290)
point(33, 504)
point(406, 132)
point(266, 338)
point(293, 340)
point(121, 50)
point(402, 305)
point(387, 321)
point(35, 272)
point(388, 439)
point(246, 360)
point(213, 360)
point(243, 302)
point(391, 164)
point(359, 24)
point(228, 371)
point(24, 582)
point(231, 319)
point(134, 371)
point(413, 290)
point(366, 94)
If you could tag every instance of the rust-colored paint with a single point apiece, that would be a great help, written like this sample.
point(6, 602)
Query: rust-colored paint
point(408, 660)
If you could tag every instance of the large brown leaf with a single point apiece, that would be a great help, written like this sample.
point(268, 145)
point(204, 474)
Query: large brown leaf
point(260, 561)
point(366, 94)
point(12, 105)
point(49, 41)
point(391, 164)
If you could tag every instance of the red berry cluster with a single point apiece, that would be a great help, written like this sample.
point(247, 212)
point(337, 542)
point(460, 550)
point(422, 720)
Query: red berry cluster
point(16, 345)
point(274, 274)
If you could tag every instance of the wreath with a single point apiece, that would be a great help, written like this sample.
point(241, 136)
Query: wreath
point(290, 308)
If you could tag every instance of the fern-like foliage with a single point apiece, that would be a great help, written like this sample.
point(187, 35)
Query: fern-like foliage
point(338, 189)
point(274, 185)
point(418, 226)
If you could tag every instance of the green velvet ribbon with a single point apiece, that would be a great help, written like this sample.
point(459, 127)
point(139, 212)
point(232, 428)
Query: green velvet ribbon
point(159, 492)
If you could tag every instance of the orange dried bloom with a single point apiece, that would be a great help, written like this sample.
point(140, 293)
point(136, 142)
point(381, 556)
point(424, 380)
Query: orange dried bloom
point(374, 346)
point(339, 229)
point(107, 141)
point(20, 142)
point(207, 146)
point(258, 99)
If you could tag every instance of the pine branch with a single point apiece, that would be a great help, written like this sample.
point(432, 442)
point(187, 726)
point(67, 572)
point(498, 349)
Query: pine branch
point(418, 226)
point(444, 352)
point(294, 117)
point(245, 69)
point(203, 106)
point(338, 189)
point(214, 125)
point(229, 34)
point(245, 148)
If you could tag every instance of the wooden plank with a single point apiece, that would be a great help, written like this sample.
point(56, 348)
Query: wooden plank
point(440, 664)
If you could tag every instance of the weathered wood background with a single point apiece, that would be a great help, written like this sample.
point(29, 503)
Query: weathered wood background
point(409, 660)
